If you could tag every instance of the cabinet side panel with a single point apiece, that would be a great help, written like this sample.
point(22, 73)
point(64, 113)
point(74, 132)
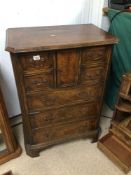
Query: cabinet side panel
point(18, 73)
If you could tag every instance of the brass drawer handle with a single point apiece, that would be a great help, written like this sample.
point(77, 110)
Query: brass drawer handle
point(83, 94)
point(40, 83)
point(34, 112)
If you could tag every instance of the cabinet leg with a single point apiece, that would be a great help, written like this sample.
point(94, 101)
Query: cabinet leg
point(32, 152)
point(96, 137)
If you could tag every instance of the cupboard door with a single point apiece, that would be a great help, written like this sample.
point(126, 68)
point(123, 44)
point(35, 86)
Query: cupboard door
point(67, 67)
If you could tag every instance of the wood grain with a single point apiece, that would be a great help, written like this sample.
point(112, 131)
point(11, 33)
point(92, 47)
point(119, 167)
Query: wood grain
point(61, 92)
point(28, 39)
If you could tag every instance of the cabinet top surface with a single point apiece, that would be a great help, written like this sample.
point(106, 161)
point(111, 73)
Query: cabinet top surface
point(29, 39)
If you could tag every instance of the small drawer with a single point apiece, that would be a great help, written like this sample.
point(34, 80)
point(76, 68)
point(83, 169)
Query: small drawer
point(72, 113)
point(70, 130)
point(36, 61)
point(93, 56)
point(39, 81)
point(62, 97)
point(121, 135)
point(95, 74)
point(116, 151)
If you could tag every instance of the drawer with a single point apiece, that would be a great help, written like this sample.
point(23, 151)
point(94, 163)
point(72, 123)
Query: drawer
point(72, 113)
point(93, 56)
point(35, 61)
point(122, 136)
point(96, 74)
point(57, 98)
point(70, 130)
point(39, 81)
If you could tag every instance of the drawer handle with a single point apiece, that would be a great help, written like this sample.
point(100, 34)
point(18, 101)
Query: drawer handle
point(49, 100)
point(82, 94)
point(48, 117)
point(34, 112)
point(47, 135)
point(38, 83)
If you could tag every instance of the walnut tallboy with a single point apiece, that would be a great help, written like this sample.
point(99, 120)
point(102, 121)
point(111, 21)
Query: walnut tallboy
point(60, 74)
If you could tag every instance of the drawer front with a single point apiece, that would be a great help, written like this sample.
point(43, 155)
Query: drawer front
point(39, 81)
point(62, 97)
point(121, 135)
point(36, 61)
point(72, 113)
point(125, 88)
point(96, 74)
point(71, 130)
point(93, 56)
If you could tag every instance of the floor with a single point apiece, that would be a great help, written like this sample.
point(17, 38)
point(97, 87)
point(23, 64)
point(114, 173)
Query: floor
point(73, 158)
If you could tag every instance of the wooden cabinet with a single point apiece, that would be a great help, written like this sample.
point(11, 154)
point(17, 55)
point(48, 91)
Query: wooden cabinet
point(60, 74)
point(9, 148)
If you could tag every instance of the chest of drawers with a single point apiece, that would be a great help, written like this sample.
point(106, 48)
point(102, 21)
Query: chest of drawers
point(60, 74)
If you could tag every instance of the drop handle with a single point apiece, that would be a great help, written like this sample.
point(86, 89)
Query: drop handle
point(42, 82)
point(47, 134)
point(59, 71)
point(83, 95)
point(38, 83)
point(90, 76)
point(34, 112)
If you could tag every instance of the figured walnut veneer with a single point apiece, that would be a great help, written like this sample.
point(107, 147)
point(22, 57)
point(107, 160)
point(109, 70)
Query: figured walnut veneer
point(60, 74)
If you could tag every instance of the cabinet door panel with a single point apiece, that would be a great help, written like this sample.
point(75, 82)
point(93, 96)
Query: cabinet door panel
point(67, 67)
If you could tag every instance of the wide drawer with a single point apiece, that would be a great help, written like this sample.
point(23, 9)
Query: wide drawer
point(39, 82)
point(70, 130)
point(65, 114)
point(36, 61)
point(61, 97)
point(94, 56)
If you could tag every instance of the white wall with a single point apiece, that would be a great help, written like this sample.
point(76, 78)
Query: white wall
point(19, 13)
point(105, 21)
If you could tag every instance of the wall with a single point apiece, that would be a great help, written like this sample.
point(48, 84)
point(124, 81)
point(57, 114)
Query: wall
point(38, 13)
point(105, 21)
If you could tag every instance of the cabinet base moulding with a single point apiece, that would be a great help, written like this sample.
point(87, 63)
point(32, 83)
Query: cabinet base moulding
point(34, 150)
